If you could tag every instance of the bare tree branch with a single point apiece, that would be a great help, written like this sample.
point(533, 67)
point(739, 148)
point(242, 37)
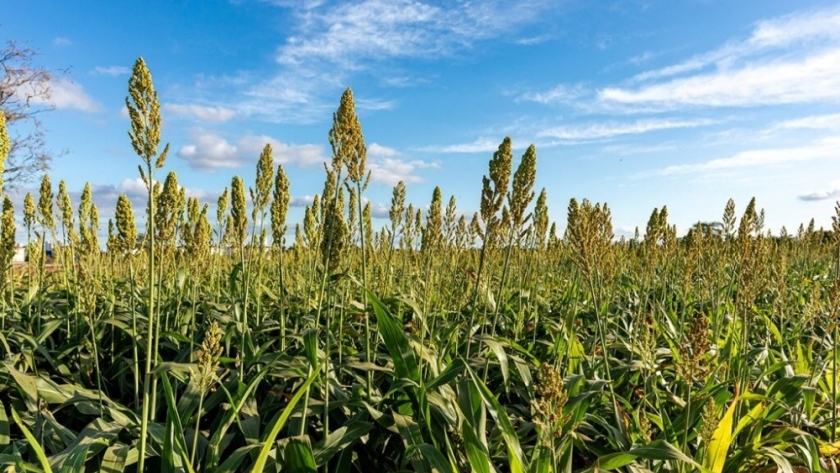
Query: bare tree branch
point(24, 95)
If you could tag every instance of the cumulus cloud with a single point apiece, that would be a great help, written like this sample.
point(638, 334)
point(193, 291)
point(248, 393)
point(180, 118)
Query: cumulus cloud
point(389, 166)
point(64, 94)
point(301, 201)
point(209, 151)
point(71, 95)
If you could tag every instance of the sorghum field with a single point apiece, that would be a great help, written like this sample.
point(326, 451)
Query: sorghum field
point(440, 342)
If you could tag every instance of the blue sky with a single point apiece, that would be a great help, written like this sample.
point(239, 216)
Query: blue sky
point(636, 103)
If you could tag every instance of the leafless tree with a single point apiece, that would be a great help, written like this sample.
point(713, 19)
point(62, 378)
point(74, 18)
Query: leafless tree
point(24, 97)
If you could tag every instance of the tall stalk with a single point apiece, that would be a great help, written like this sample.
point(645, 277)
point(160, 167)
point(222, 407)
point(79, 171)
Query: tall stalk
point(144, 111)
point(348, 147)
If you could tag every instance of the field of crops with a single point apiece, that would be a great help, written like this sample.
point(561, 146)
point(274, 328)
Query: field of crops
point(440, 342)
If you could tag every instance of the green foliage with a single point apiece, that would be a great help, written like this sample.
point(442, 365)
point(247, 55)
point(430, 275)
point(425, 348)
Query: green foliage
point(532, 353)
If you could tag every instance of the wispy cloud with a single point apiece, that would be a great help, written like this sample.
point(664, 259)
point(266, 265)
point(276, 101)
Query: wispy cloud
point(759, 158)
point(332, 41)
point(62, 41)
point(799, 29)
point(480, 145)
point(625, 150)
point(345, 33)
point(805, 80)
point(113, 71)
point(612, 129)
point(559, 94)
point(209, 151)
point(792, 59)
point(532, 40)
point(201, 113)
point(813, 122)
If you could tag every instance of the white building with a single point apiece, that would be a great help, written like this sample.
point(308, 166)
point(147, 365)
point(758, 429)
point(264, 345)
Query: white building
point(20, 254)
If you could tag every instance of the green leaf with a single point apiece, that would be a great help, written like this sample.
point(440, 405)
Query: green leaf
point(476, 452)
point(541, 462)
point(433, 455)
point(268, 443)
point(410, 433)
point(310, 346)
point(339, 440)
point(721, 440)
point(405, 360)
point(242, 395)
point(499, 351)
point(5, 436)
point(451, 372)
point(235, 459)
point(26, 385)
point(115, 458)
point(76, 461)
point(656, 450)
point(178, 432)
point(33, 442)
point(516, 458)
point(298, 457)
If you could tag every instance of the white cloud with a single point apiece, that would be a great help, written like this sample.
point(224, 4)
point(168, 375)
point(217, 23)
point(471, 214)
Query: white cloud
point(813, 122)
point(301, 201)
point(402, 81)
point(559, 94)
point(379, 151)
point(390, 171)
point(348, 32)
point(760, 158)
point(71, 95)
point(62, 41)
point(803, 80)
point(480, 145)
point(388, 166)
point(202, 113)
point(377, 209)
point(330, 42)
point(532, 40)
point(113, 71)
point(792, 59)
point(63, 95)
point(210, 151)
point(625, 150)
point(825, 194)
point(608, 130)
point(374, 104)
point(787, 31)
point(133, 188)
